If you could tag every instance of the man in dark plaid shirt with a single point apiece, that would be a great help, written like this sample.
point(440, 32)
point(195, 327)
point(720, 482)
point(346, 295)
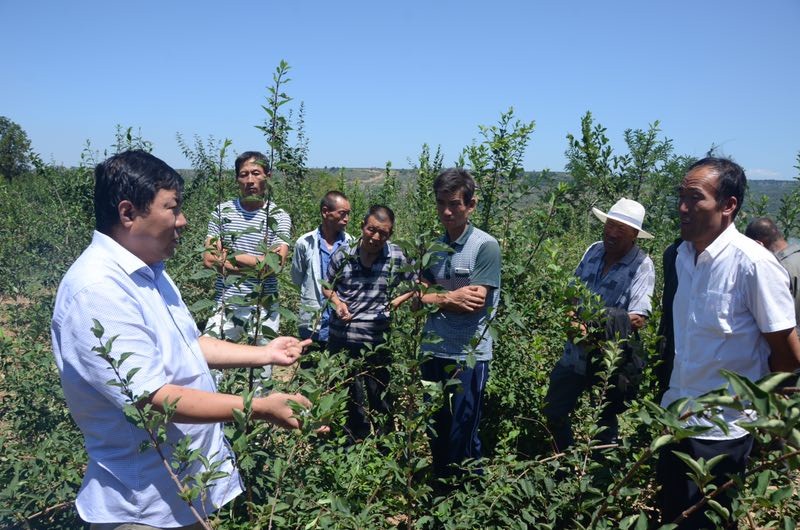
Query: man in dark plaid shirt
point(363, 279)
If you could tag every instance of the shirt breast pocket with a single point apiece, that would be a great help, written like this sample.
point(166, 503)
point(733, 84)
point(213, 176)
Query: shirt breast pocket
point(461, 277)
point(713, 312)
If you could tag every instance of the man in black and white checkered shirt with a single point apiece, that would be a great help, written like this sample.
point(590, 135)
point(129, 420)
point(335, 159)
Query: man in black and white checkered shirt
point(365, 278)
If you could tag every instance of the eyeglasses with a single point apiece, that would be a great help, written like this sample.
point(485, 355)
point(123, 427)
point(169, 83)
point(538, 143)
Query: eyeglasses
point(343, 213)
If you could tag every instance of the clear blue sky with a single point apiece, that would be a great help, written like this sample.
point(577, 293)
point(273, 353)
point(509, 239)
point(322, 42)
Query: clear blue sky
point(381, 78)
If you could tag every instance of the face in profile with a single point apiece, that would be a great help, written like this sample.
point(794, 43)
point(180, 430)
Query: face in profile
point(701, 215)
point(339, 216)
point(156, 233)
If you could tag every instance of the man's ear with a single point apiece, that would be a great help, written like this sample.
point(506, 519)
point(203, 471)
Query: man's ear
point(729, 206)
point(127, 213)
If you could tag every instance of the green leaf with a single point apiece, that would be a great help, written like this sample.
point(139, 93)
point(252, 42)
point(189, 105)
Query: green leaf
point(749, 391)
point(720, 509)
point(761, 483)
point(97, 329)
point(200, 305)
point(691, 463)
point(661, 441)
point(124, 357)
point(772, 381)
point(780, 494)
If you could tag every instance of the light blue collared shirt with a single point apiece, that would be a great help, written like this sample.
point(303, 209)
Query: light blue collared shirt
point(142, 308)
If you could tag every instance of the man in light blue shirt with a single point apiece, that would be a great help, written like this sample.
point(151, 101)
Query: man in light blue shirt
point(120, 281)
point(623, 276)
point(312, 254)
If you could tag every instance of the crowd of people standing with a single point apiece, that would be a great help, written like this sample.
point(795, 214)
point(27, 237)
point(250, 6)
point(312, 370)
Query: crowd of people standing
point(731, 306)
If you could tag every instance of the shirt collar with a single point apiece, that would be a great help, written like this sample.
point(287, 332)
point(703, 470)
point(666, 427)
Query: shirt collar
point(321, 237)
point(628, 258)
point(462, 239)
point(126, 260)
point(716, 247)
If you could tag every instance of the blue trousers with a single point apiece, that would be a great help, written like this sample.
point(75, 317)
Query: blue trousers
point(455, 423)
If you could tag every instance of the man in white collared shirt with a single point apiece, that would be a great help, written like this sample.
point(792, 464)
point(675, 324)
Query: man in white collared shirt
point(732, 310)
point(119, 280)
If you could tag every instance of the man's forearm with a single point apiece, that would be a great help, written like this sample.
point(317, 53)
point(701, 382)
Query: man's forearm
point(222, 354)
point(785, 350)
point(198, 406)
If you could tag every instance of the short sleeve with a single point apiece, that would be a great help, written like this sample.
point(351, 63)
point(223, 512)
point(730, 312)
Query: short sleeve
point(769, 297)
point(284, 228)
point(213, 224)
point(487, 265)
point(642, 285)
point(122, 319)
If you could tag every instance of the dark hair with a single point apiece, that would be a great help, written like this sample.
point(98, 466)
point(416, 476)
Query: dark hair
point(454, 180)
point(245, 157)
point(379, 212)
point(330, 198)
point(765, 230)
point(731, 180)
point(135, 176)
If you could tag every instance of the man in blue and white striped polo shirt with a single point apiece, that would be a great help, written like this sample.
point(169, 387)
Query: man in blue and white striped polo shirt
point(239, 236)
point(470, 277)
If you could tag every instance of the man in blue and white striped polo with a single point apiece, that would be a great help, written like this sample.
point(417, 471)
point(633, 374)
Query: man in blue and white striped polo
point(240, 234)
point(470, 278)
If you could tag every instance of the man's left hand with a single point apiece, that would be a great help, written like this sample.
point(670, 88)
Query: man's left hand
point(284, 351)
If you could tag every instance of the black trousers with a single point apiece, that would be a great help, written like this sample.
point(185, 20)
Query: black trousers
point(679, 492)
point(369, 407)
point(566, 387)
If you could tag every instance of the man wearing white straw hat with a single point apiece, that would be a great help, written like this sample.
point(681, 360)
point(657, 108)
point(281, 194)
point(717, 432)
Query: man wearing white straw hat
point(623, 276)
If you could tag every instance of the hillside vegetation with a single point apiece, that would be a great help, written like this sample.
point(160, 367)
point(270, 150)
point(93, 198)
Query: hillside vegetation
point(303, 480)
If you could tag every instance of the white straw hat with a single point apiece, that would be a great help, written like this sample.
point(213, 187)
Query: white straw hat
point(628, 212)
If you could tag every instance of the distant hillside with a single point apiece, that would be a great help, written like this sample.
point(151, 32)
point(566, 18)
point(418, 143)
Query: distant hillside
point(774, 190)
point(375, 175)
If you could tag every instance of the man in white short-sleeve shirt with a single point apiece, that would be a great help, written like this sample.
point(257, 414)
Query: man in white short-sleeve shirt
point(119, 280)
point(733, 311)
